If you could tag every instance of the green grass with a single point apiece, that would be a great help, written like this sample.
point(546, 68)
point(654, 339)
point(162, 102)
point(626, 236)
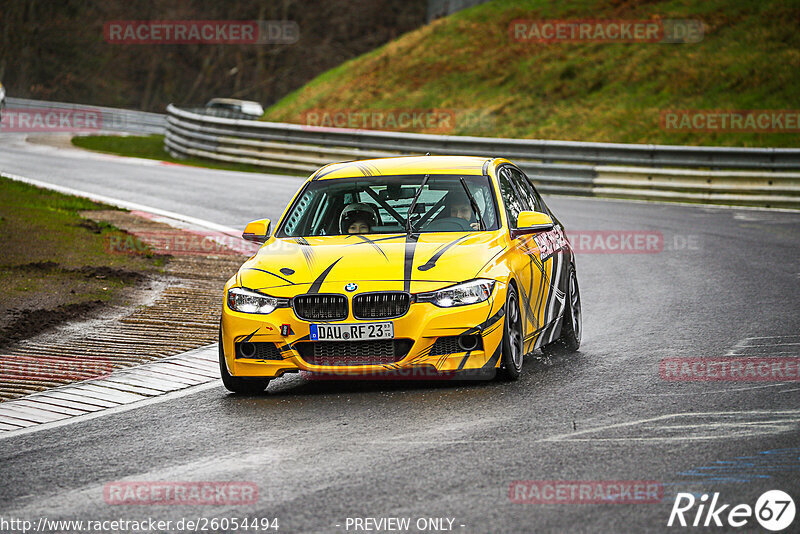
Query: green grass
point(54, 260)
point(150, 147)
point(749, 59)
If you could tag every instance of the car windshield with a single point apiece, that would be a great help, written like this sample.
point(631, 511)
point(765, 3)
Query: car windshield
point(380, 205)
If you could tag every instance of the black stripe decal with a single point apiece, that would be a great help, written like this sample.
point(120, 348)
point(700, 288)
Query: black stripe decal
point(249, 336)
point(411, 245)
point(463, 362)
point(492, 362)
point(289, 347)
point(535, 261)
point(305, 248)
point(548, 334)
point(552, 285)
point(528, 310)
point(331, 168)
point(376, 240)
point(550, 292)
point(273, 274)
point(321, 278)
point(431, 263)
point(487, 323)
point(540, 293)
point(367, 169)
point(491, 329)
point(368, 240)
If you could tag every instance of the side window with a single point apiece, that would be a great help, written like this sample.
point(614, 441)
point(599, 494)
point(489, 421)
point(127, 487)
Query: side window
point(513, 200)
point(526, 188)
point(540, 205)
point(292, 226)
point(318, 222)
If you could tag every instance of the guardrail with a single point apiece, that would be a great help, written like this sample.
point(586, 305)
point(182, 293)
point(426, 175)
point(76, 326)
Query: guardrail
point(112, 119)
point(718, 175)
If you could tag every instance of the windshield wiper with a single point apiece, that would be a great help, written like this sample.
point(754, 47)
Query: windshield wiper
point(473, 204)
point(409, 224)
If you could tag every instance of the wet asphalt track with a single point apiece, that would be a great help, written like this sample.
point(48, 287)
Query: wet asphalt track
point(321, 452)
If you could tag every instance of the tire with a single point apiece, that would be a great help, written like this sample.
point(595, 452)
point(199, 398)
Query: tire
point(245, 386)
point(513, 350)
point(571, 322)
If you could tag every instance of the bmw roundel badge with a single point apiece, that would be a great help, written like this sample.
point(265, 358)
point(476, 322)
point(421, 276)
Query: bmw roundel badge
point(352, 286)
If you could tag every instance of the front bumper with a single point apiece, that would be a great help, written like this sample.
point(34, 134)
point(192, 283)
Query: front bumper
point(422, 325)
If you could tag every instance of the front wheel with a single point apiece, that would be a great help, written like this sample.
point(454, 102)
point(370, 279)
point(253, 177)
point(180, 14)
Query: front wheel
point(236, 384)
point(570, 338)
point(512, 338)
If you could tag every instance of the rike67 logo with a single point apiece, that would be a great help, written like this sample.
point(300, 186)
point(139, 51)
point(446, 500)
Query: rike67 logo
point(774, 510)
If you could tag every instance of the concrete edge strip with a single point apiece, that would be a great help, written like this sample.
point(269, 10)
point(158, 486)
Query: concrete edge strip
point(21, 413)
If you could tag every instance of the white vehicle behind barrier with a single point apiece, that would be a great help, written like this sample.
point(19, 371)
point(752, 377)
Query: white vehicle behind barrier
point(244, 107)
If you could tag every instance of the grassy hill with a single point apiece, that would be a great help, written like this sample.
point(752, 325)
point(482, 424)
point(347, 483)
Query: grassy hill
point(749, 59)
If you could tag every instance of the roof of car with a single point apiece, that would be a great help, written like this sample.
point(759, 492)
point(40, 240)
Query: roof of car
point(230, 101)
point(465, 165)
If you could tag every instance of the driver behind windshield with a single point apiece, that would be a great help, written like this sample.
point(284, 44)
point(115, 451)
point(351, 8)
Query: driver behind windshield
point(461, 208)
point(358, 218)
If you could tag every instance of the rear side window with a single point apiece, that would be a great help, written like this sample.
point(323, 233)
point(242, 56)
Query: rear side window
point(513, 200)
point(527, 190)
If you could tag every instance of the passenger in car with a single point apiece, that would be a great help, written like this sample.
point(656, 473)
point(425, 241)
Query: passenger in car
point(359, 226)
point(358, 218)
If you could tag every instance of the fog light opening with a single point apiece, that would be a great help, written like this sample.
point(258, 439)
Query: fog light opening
point(468, 343)
point(247, 349)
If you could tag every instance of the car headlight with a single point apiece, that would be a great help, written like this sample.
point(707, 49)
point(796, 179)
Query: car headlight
point(248, 301)
point(462, 294)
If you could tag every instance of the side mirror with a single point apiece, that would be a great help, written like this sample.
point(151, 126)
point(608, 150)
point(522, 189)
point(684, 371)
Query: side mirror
point(529, 222)
point(257, 231)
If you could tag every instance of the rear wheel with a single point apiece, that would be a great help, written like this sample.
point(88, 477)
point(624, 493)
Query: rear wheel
point(239, 384)
point(512, 338)
point(570, 338)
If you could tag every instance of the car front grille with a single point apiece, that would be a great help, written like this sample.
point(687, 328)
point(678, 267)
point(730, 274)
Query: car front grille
point(382, 305)
point(346, 353)
point(320, 307)
point(446, 345)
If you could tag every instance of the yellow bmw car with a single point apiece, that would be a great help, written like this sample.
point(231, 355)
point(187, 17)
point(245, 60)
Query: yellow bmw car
point(407, 267)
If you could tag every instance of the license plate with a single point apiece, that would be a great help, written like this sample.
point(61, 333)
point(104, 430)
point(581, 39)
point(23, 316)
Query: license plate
point(351, 332)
